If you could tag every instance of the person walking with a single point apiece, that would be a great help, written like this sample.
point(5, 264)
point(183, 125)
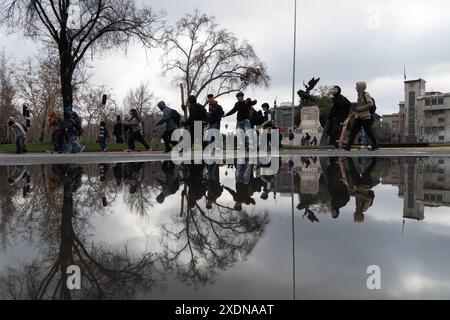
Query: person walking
point(171, 126)
point(339, 112)
point(134, 123)
point(215, 115)
point(21, 135)
point(243, 114)
point(103, 135)
point(118, 131)
point(197, 113)
point(363, 117)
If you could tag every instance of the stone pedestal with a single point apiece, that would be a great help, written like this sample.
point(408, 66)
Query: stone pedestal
point(309, 123)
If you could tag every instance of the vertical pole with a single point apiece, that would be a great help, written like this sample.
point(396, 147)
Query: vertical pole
point(294, 66)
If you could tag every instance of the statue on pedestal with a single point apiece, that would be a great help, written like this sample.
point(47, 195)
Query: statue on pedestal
point(307, 99)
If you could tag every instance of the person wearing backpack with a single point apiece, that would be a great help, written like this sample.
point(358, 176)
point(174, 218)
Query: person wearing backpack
point(170, 118)
point(215, 115)
point(74, 130)
point(363, 113)
point(21, 135)
point(134, 123)
point(103, 135)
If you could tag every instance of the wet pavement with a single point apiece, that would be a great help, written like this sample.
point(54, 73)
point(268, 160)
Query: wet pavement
point(299, 227)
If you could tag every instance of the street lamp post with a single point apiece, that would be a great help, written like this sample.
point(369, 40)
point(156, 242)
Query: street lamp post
point(294, 66)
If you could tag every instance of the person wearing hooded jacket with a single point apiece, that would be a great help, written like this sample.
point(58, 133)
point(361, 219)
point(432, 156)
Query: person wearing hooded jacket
point(171, 126)
point(338, 114)
point(363, 117)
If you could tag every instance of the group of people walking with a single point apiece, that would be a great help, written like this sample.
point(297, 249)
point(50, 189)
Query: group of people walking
point(211, 117)
point(361, 115)
point(66, 130)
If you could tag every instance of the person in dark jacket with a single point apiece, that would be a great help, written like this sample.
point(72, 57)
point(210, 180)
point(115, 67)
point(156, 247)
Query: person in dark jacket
point(339, 112)
point(215, 116)
point(243, 115)
point(197, 113)
point(118, 131)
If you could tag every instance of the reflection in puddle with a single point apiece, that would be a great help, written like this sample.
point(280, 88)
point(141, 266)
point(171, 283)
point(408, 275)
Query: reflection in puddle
point(159, 230)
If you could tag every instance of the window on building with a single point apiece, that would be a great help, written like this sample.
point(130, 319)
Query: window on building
point(441, 120)
point(434, 102)
point(432, 197)
point(440, 101)
point(441, 128)
point(441, 138)
point(426, 197)
point(440, 198)
point(441, 179)
point(427, 102)
point(441, 161)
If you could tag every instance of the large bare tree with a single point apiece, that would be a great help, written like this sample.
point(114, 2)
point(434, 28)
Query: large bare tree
point(204, 57)
point(76, 27)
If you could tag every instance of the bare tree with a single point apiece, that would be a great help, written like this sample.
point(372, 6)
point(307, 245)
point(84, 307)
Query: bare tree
point(75, 27)
point(7, 93)
point(204, 57)
point(38, 86)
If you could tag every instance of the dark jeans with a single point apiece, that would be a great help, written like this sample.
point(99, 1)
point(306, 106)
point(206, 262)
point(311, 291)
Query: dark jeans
point(58, 140)
point(167, 137)
point(20, 145)
point(119, 139)
point(358, 124)
point(132, 136)
point(335, 132)
point(102, 143)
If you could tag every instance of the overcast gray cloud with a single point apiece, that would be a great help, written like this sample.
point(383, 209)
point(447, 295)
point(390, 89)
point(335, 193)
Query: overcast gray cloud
point(335, 41)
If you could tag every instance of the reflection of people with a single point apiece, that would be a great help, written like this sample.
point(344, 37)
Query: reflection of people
point(360, 187)
point(244, 191)
point(170, 184)
point(336, 187)
point(195, 183)
point(214, 189)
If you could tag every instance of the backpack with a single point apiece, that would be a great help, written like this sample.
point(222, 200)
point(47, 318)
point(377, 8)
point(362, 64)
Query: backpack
point(176, 117)
point(77, 124)
point(373, 109)
point(258, 118)
point(25, 128)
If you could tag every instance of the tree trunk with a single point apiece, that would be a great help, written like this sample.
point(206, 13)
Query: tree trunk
point(66, 69)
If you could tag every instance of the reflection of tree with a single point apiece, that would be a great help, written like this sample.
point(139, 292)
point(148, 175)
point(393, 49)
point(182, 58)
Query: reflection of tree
point(202, 241)
point(106, 272)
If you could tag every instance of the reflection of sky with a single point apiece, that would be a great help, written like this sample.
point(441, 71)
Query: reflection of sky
point(331, 256)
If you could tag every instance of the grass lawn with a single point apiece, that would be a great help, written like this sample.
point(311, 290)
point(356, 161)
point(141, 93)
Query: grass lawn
point(90, 147)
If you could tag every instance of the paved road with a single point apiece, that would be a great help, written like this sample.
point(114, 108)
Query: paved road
point(114, 157)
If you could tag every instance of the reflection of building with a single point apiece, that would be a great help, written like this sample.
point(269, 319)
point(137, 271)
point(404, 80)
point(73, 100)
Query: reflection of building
point(424, 116)
point(421, 182)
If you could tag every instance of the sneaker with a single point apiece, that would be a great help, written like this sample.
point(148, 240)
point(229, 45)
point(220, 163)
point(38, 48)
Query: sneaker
point(106, 150)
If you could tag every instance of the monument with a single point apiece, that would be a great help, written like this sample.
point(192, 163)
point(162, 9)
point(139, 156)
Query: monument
point(310, 114)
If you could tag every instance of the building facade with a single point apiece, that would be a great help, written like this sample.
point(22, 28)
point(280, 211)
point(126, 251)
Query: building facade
point(422, 117)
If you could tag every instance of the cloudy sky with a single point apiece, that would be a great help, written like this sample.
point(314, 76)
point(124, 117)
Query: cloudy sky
point(341, 43)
